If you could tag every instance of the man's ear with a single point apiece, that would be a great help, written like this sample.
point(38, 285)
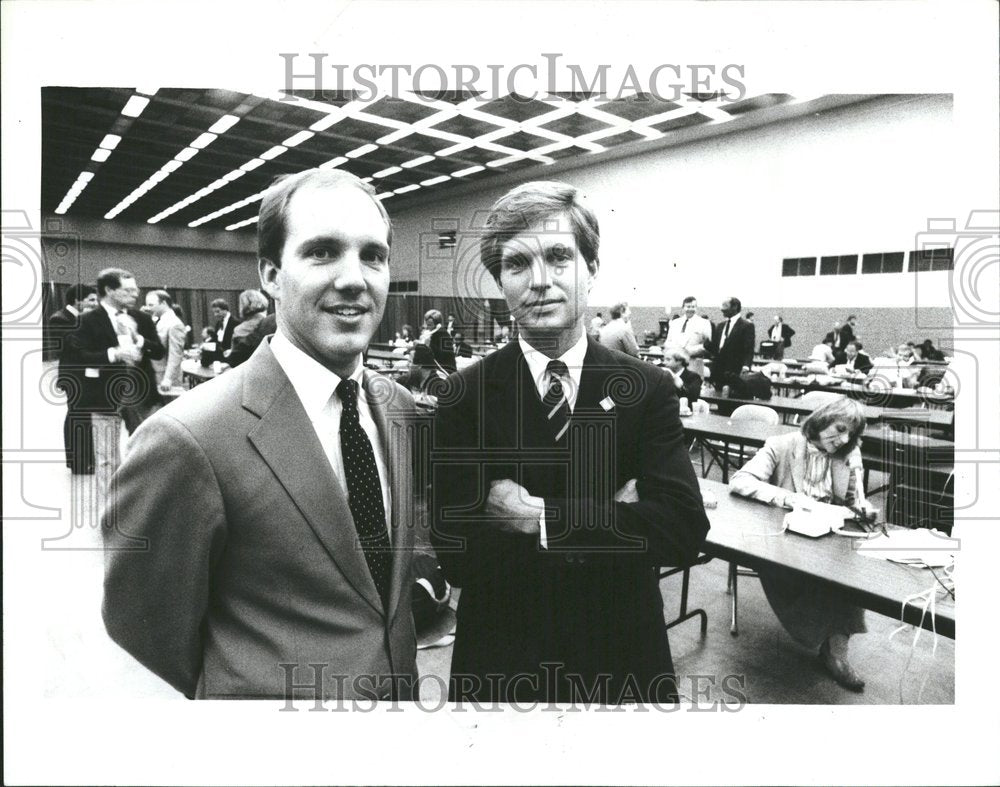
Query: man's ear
point(592, 275)
point(270, 280)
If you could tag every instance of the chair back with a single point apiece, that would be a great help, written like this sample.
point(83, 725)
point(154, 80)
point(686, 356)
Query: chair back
point(756, 412)
point(816, 399)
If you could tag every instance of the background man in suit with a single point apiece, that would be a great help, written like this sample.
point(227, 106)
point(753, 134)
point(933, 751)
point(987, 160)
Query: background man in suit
point(688, 384)
point(732, 345)
point(857, 361)
point(440, 342)
point(224, 324)
point(555, 545)
point(781, 334)
point(692, 332)
point(618, 334)
point(462, 348)
point(838, 338)
point(274, 502)
point(171, 331)
point(77, 435)
point(114, 345)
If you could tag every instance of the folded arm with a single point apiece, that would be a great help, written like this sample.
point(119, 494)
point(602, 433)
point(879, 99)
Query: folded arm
point(667, 524)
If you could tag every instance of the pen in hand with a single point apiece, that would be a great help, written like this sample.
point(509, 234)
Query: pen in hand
point(867, 519)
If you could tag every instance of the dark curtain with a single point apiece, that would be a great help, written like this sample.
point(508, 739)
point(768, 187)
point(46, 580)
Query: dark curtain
point(474, 317)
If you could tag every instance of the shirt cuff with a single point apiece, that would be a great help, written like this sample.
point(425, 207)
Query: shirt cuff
point(111, 354)
point(543, 539)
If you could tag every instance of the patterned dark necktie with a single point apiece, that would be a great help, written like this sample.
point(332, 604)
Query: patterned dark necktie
point(556, 405)
point(364, 490)
point(684, 327)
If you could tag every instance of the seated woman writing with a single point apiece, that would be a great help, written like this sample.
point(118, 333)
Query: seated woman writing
point(821, 462)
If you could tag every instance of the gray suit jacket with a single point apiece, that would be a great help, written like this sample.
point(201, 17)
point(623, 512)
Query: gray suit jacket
point(618, 335)
point(779, 467)
point(171, 332)
point(232, 550)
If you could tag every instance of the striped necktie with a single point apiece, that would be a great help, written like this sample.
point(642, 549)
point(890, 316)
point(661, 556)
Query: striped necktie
point(556, 404)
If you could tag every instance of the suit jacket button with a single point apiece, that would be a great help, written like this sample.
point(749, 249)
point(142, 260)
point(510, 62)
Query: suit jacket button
point(568, 558)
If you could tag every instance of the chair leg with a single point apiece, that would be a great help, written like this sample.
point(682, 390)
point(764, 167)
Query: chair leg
point(685, 614)
point(733, 581)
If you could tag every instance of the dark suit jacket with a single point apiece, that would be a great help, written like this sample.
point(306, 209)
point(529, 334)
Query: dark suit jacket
point(862, 362)
point(692, 386)
point(235, 551)
point(443, 349)
point(736, 353)
point(846, 335)
point(225, 338)
point(117, 384)
point(61, 324)
point(590, 602)
point(242, 349)
point(786, 334)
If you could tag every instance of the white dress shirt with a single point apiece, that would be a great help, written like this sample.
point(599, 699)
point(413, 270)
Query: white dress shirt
point(114, 313)
point(691, 333)
point(726, 333)
point(573, 358)
point(316, 387)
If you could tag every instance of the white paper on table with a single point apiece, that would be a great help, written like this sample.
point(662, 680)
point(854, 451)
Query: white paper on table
point(929, 547)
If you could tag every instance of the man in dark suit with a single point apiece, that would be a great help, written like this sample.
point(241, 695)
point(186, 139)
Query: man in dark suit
point(224, 324)
point(688, 384)
point(838, 338)
point(554, 543)
point(781, 334)
point(78, 439)
point(441, 344)
point(265, 519)
point(732, 346)
point(856, 360)
point(462, 348)
point(114, 345)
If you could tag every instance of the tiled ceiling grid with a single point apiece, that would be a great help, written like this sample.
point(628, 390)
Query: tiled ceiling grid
point(203, 157)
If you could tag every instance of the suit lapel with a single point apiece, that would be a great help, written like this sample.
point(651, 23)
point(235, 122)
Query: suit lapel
point(108, 327)
point(397, 435)
point(592, 378)
point(502, 393)
point(302, 468)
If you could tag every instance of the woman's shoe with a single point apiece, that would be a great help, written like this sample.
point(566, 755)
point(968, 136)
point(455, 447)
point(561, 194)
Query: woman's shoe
point(840, 669)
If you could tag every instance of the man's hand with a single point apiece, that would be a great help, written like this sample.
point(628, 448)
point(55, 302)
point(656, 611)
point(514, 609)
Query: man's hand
point(165, 388)
point(131, 354)
point(628, 493)
point(512, 509)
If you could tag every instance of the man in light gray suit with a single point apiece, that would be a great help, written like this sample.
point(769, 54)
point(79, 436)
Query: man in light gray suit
point(171, 331)
point(692, 333)
point(261, 541)
point(618, 334)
